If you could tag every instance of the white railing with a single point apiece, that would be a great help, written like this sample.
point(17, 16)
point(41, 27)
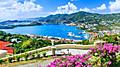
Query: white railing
point(53, 48)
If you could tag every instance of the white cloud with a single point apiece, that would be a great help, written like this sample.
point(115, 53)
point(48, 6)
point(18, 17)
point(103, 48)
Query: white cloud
point(114, 6)
point(12, 9)
point(85, 9)
point(66, 9)
point(99, 8)
point(102, 7)
point(96, 9)
point(71, 8)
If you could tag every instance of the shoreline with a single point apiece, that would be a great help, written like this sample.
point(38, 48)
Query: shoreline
point(54, 37)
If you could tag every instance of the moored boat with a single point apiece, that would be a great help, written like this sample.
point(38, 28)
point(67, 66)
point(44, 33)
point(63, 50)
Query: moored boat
point(70, 34)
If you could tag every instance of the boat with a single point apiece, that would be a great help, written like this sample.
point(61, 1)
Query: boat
point(70, 34)
point(84, 32)
point(86, 36)
point(77, 36)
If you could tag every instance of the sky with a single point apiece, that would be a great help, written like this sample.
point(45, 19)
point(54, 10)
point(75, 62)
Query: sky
point(19, 9)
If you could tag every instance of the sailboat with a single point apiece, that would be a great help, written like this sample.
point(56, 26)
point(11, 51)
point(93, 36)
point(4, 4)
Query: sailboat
point(70, 34)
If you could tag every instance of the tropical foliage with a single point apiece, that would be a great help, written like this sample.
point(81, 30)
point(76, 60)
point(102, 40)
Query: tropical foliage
point(30, 44)
point(115, 39)
point(23, 43)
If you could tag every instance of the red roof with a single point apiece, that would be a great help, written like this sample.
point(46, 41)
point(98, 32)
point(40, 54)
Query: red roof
point(3, 46)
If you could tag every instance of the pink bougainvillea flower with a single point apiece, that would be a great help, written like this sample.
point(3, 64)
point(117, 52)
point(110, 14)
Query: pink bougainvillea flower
point(109, 62)
point(105, 52)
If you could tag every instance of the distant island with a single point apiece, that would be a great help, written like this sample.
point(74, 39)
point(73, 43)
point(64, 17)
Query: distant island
point(16, 23)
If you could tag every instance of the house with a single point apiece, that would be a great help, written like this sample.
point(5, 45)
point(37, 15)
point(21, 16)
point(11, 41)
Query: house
point(15, 40)
point(4, 46)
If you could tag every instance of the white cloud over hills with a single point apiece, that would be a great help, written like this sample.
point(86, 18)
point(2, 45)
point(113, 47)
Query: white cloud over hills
point(102, 7)
point(85, 9)
point(71, 8)
point(66, 9)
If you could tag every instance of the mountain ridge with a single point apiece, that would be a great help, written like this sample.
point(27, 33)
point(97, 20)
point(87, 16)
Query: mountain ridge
point(78, 17)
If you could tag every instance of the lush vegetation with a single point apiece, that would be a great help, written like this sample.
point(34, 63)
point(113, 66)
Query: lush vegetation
point(8, 37)
point(23, 43)
point(107, 55)
point(115, 39)
point(30, 44)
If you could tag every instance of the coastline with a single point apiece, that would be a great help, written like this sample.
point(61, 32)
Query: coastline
point(52, 37)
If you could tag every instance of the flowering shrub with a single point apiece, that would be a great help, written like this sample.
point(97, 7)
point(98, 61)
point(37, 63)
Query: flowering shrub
point(101, 56)
point(106, 54)
point(71, 61)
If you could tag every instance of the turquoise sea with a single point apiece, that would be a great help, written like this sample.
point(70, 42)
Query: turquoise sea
point(50, 30)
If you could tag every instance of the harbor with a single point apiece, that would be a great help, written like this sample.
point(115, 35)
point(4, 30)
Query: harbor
point(51, 31)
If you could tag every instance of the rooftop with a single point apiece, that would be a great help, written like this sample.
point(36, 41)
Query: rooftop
point(4, 46)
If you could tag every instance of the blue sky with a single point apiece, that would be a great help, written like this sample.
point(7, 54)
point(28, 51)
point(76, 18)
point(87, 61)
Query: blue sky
point(18, 9)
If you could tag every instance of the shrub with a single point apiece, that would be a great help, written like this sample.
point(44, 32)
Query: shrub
point(38, 55)
point(1, 61)
point(71, 61)
point(101, 56)
point(26, 57)
point(10, 60)
point(33, 56)
point(18, 58)
point(106, 54)
point(44, 54)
